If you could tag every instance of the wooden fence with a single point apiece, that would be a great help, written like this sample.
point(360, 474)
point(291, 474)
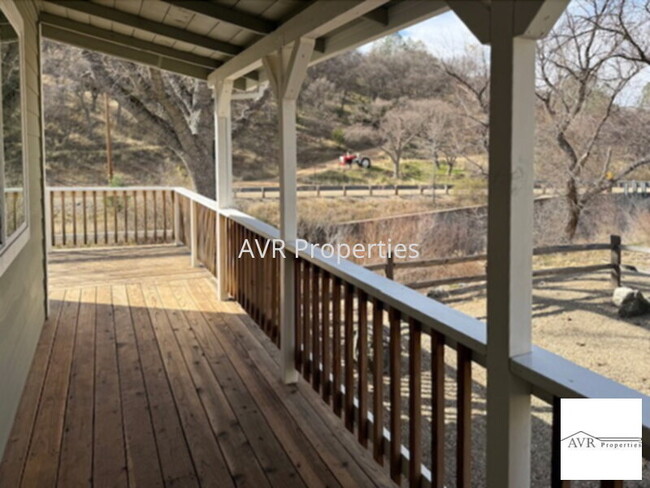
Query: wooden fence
point(615, 265)
point(341, 190)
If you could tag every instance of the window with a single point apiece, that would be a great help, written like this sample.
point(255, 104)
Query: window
point(13, 201)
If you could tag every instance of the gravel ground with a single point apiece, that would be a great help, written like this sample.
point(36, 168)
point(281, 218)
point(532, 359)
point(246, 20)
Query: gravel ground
point(572, 317)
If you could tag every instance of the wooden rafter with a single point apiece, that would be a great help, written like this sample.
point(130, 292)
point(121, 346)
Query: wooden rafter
point(141, 23)
point(231, 16)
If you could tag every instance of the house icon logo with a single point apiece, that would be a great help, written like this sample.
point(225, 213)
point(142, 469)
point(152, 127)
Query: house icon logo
point(601, 439)
point(584, 440)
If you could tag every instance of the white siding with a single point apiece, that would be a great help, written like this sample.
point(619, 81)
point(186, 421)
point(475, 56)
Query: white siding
point(22, 285)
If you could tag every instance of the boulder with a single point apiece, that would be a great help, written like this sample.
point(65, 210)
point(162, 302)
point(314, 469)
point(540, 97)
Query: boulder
point(621, 295)
point(630, 302)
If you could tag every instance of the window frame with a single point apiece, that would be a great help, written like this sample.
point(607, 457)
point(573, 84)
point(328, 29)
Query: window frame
point(16, 242)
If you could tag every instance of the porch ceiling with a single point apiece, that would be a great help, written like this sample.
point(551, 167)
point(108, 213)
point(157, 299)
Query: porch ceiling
point(196, 37)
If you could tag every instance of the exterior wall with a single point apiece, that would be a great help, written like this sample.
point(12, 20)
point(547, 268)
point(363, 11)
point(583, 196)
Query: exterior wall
point(22, 285)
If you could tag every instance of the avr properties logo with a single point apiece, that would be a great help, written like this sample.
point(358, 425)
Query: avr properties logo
point(601, 439)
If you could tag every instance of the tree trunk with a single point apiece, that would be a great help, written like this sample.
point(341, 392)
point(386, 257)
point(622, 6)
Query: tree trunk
point(396, 164)
point(203, 175)
point(574, 209)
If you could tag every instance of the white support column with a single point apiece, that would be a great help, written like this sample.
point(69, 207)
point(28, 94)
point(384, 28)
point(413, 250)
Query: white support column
point(223, 152)
point(510, 248)
point(286, 73)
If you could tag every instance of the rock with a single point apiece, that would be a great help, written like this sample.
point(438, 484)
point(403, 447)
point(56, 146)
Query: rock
point(621, 295)
point(630, 303)
point(437, 293)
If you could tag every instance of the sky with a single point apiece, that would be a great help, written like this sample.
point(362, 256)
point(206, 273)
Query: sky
point(446, 36)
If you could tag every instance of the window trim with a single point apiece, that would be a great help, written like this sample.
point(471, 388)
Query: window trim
point(17, 241)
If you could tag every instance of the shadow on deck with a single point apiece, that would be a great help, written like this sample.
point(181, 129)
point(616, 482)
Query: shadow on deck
point(142, 378)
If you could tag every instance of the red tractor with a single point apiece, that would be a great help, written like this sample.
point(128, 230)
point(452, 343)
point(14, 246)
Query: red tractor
point(349, 159)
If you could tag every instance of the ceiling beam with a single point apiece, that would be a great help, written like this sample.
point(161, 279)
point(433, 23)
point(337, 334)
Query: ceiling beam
point(157, 28)
point(128, 41)
point(379, 15)
point(231, 16)
point(316, 20)
point(120, 51)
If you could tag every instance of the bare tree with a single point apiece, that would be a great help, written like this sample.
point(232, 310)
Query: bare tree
point(581, 77)
point(176, 111)
point(398, 125)
point(469, 74)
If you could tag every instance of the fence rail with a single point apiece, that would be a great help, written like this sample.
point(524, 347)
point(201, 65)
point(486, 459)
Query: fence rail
point(615, 265)
point(362, 341)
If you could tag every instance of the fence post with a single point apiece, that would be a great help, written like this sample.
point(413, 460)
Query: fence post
point(390, 266)
point(177, 218)
point(193, 233)
point(345, 190)
point(369, 190)
point(396, 190)
point(318, 190)
point(615, 246)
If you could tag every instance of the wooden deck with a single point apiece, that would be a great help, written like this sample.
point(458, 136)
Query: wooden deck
point(142, 378)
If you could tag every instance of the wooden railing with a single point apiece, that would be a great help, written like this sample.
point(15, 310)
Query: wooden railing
point(110, 216)
point(14, 209)
point(367, 344)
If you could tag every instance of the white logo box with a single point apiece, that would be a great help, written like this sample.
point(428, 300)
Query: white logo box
point(601, 438)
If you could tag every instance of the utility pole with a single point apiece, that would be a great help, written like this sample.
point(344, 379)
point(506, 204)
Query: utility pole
point(109, 142)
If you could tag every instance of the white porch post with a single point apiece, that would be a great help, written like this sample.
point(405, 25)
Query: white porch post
point(510, 251)
point(223, 154)
point(511, 27)
point(286, 74)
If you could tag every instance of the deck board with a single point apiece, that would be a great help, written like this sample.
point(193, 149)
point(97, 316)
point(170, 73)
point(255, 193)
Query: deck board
point(142, 378)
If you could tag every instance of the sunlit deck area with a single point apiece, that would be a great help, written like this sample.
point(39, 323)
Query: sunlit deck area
point(143, 378)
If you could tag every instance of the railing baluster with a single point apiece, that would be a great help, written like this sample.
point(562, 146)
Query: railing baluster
point(362, 376)
point(164, 210)
point(298, 321)
point(95, 238)
point(275, 299)
point(437, 410)
point(52, 221)
point(74, 218)
point(395, 354)
point(415, 403)
point(336, 346)
point(104, 201)
point(135, 215)
point(63, 219)
point(464, 422)
point(155, 215)
point(14, 209)
point(84, 214)
point(177, 218)
point(115, 205)
point(315, 323)
point(126, 217)
point(378, 380)
point(306, 296)
point(348, 323)
point(145, 217)
point(326, 342)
